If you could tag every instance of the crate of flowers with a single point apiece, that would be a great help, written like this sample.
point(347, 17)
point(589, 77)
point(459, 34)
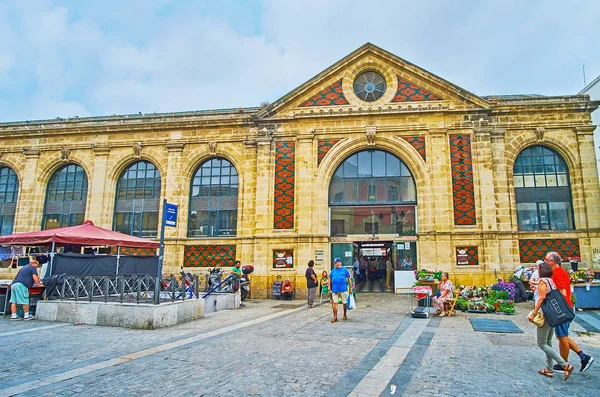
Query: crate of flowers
point(504, 307)
point(476, 305)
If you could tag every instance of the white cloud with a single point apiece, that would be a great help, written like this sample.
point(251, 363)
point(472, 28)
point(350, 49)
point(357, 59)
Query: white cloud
point(125, 57)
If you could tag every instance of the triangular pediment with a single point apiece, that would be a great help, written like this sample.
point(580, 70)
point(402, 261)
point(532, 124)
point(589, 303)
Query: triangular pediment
point(399, 85)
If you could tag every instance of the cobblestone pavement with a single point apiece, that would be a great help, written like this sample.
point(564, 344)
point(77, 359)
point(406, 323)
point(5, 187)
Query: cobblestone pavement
point(270, 348)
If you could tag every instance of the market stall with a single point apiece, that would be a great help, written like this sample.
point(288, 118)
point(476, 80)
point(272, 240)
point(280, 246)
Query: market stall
point(86, 235)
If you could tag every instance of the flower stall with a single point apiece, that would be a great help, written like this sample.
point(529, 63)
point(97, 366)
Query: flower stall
point(585, 286)
point(497, 298)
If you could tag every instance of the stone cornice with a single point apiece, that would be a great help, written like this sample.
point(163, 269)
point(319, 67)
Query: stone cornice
point(175, 146)
point(31, 153)
point(584, 129)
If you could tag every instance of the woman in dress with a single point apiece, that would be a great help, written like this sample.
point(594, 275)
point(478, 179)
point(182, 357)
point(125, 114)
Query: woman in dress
point(446, 292)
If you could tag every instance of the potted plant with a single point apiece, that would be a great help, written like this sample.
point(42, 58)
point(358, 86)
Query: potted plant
point(588, 275)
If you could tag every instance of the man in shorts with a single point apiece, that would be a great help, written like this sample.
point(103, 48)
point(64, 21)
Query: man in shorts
point(340, 282)
point(19, 289)
point(563, 284)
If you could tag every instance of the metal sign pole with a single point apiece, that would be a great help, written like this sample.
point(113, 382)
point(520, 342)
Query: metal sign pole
point(160, 253)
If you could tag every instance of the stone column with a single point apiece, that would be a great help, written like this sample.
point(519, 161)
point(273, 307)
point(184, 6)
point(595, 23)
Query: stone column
point(264, 186)
point(589, 175)
point(173, 257)
point(305, 205)
point(435, 248)
point(28, 216)
point(97, 209)
point(486, 179)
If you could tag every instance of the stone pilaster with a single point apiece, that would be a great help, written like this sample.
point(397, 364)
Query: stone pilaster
point(28, 216)
point(264, 185)
point(440, 190)
point(96, 211)
point(174, 191)
point(591, 189)
point(305, 203)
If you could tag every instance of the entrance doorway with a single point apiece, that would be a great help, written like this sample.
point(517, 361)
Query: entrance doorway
point(372, 256)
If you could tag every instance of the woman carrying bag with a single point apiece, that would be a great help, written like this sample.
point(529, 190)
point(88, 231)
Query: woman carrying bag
point(545, 333)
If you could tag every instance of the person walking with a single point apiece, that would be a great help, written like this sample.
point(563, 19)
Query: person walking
point(19, 289)
point(563, 284)
point(546, 332)
point(340, 283)
point(311, 283)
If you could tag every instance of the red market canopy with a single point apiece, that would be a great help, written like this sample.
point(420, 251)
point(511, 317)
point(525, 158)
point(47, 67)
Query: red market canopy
point(86, 234)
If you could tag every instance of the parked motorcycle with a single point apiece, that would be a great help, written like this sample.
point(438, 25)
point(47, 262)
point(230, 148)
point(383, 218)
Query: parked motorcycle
point(216, 275)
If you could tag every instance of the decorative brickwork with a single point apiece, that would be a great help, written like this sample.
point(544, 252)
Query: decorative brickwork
point(467, 255)
point(462, 180)
point(208, 255)
point(284, 185)
point(418, 142)
point(409, 92)
point(324, 146)
point(532, 250)
point(134, 251)
point(330, 96)
point(282, 259)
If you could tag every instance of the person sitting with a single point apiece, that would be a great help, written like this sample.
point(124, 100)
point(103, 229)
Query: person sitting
point(286, 290)
point(446, 292)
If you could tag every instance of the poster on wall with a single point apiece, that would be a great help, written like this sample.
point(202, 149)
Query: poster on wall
point(462, 258)
point(283, 259)
point(319, 258)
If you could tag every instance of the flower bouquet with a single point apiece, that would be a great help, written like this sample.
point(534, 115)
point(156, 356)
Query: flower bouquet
point(588, 275)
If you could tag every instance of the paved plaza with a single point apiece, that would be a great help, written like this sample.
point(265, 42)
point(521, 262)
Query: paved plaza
point(274, 348)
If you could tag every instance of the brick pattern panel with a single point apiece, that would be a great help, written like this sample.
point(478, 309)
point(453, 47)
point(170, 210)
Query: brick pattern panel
point(208, 255)
point(418, 142)
point(284, 185)
point(286, 253)
point(535, 249)
point(134, 251)
point(330, 96)
point(471, 252)
point(463, 193)
point(409, 92)
point(324, 146)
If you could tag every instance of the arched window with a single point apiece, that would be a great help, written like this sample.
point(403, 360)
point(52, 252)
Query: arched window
point(372, 192)
point(542, 190)
point(214, 199)
point(66, 198)
point(137, 200)
point(9, 190)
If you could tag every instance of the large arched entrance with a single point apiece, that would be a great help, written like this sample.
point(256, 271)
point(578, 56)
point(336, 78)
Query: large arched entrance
point(373, 217)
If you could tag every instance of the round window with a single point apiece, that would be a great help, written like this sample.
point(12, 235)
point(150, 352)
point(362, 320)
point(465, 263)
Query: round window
point(369, 86)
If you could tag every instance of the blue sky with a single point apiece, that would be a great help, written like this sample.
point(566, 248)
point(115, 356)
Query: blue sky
point(92, 58)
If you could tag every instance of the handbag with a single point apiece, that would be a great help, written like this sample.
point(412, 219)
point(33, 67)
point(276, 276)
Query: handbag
point(556, 309)
point(538, 319)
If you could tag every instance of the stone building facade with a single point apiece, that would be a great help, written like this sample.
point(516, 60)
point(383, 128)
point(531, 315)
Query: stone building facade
point(302, 178)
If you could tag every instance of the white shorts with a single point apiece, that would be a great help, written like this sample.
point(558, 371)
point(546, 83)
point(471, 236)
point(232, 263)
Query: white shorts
point(335, 296)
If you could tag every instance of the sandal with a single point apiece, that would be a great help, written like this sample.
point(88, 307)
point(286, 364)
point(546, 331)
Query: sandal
point(545, 372)
point(442, 314)
point(334, 320)
point(567, 370)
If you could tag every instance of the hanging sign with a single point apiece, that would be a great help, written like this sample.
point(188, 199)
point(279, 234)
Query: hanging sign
point(171, 215)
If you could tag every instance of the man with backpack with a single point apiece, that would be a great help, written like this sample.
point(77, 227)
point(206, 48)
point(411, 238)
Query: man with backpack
point(563, 284)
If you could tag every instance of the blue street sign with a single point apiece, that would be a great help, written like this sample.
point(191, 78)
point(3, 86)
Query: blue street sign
point(171, 215)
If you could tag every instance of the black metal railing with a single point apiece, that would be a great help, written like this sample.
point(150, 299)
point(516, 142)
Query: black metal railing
point(138, 289)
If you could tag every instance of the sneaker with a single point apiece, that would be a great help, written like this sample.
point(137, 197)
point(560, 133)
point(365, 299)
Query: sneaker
point(586, 363)
point(28, 318)
point(558, 368)
point(242, 305)
point(15, 317)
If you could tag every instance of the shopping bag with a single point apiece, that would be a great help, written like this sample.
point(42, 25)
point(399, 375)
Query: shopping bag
point(351, 302)
point(538, 319)
point(556, 309)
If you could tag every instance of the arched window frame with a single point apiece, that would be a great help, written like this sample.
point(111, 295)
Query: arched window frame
point(543, 197)
point(9, 192)
point(66, 197)
point(214, 190)
point(137, 200)
point(372, 192)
